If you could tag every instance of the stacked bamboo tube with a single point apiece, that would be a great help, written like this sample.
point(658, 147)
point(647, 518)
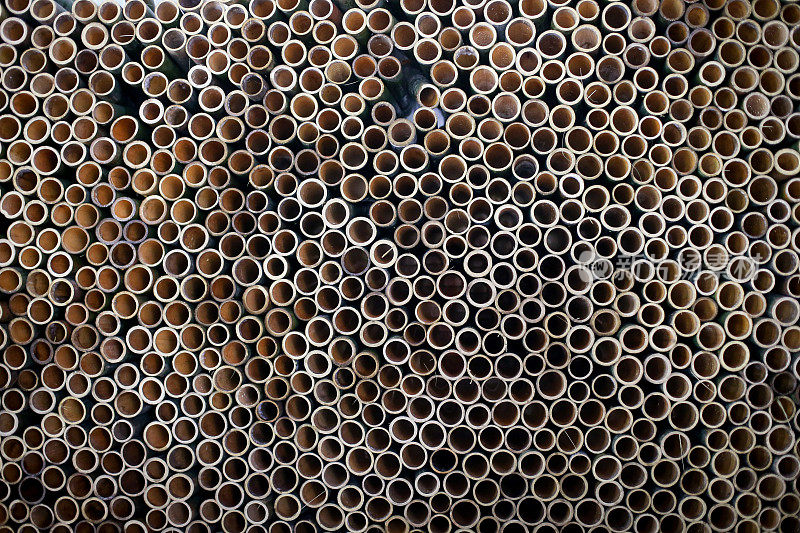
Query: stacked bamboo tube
point(420, 265)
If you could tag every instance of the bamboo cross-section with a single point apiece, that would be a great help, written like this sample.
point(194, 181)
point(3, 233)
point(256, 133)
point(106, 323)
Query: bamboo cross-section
point(444, 266)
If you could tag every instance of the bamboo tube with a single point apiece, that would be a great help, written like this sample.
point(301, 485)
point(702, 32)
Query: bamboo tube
point(339, 260)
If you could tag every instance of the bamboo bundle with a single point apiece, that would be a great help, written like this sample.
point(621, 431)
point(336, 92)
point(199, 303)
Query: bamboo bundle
point(410, 265)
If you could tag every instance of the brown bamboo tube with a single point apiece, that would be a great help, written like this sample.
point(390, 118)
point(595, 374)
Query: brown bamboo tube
point(402, 225)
